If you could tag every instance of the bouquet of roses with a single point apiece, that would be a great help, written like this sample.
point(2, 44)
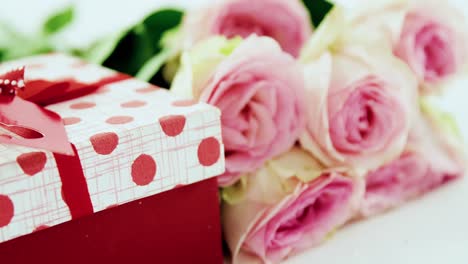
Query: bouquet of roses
point(324, 121)
point(322, 126)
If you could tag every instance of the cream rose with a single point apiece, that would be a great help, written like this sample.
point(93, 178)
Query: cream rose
point(361, 99)
point(287, 206)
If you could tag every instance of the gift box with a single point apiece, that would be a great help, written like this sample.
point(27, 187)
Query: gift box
point(135, 183)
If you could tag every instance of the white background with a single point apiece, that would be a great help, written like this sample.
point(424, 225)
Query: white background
point(431, 230)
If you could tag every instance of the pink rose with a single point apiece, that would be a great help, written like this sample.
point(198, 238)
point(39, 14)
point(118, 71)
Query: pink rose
point(433, 40)
point(259, 90)
point(432, 158)
point(429, 35)
point(361, 102)
point(287, 21)
point(280, 215)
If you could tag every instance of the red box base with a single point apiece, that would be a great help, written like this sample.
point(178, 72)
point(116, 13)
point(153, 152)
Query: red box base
point(178, 226)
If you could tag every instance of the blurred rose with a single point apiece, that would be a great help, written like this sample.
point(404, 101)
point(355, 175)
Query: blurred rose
point(432, 158)
point(433, 40)
point(259, 90)
point(287, 21)
point(361, 100)
point(279, 214)
point(430, 36)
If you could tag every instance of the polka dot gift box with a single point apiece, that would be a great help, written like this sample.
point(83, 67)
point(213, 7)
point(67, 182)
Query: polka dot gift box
point(133, 181)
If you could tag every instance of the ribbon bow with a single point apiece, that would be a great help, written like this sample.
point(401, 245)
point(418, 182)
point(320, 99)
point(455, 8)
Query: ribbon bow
point(11, 82)
point(24, 123)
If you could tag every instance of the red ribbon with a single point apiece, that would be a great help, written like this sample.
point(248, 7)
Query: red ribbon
point(28, 124)
point(74, 187)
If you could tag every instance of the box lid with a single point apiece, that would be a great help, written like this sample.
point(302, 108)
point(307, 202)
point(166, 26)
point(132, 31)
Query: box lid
point(133, 140)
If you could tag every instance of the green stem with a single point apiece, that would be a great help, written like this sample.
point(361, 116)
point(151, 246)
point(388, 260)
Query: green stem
point(153, 65)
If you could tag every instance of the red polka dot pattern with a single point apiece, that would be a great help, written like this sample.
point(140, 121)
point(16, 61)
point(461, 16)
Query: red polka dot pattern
point(208, 151)
point(183, 103)
point(36, 66)
point(172, 125)
point(148, 89)
point(112, 206)
point(7, 210)
point(104, 143)
point(118, 120)
point(102, 90)
point(143, 163)
point(41, 227)
point(143, 170)
point(82, 105)
point(32, 162)
point(133, 104)
point(71, 120)
point(179, 186)
point(79, 64)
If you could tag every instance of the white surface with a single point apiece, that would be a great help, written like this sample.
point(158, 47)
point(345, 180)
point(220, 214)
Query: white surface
point(433, 229)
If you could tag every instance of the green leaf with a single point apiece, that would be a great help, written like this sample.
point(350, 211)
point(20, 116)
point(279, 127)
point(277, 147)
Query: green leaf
point(132, 51)
point(28, 47)
point(152, 66)
point(99, 51)
point(2, 54)
point(318, 9)
point(142, 42)
point(8, 35)
point(161, 21)
point(169, 53)
point(58, 21)
point(170, 69)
